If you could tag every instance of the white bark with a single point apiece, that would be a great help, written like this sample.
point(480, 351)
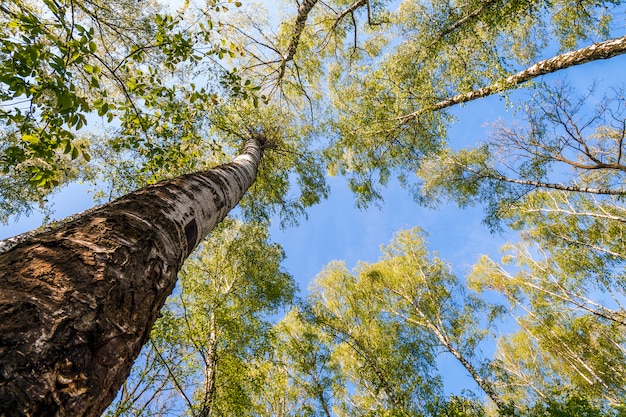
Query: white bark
point(602, 50)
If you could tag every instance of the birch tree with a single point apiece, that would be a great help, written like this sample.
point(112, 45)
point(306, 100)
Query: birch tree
point(565, 354)
point(302, 376)
point(79, 301)
point(389, 323)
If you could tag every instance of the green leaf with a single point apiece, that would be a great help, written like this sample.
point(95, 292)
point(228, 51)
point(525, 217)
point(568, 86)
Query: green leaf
point(30, 138)
point(103, 109)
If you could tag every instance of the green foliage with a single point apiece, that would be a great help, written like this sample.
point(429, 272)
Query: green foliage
point(66, 64)
point(457, 406)
point(302, 375)
point(42, 101)
point(388, 111)
point(569, 404)
point(207, 346)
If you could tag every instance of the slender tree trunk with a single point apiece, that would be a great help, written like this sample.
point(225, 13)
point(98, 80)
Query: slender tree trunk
point(480, 381)
point(440, 334)
point(320, 395)
point(602, 50)
point(77, 303)
point(210, 368)
point(303, 14)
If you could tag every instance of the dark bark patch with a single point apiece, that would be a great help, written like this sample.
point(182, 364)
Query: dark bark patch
point(191, 232)
point(215, 183)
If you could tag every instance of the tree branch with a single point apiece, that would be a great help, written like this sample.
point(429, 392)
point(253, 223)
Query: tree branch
point(477, 12)
point(303, 14)
point(540, 184)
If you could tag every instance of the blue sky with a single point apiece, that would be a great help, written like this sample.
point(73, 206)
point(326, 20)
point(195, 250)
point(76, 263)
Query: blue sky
point(336, 230)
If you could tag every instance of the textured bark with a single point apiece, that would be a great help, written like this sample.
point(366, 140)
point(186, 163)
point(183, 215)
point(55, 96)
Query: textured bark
point(210, 368)
point(303, 14)
point(602, 50)
point(77, 303)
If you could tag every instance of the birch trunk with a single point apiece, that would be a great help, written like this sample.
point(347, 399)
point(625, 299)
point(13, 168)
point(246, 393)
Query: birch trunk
point(602, 50)
point(210, 368)
point(77, 303)
point(303, 14)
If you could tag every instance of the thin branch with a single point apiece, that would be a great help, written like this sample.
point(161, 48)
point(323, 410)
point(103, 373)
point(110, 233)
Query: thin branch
point(466, 18)
point(340, 16)
point(596, 309)
point(171, 374)
point(125, 91)
point(554, 186)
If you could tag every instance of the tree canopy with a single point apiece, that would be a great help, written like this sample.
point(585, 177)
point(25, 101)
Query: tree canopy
point(122, 94)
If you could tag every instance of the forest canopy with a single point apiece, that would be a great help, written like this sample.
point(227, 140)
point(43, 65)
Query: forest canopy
point(123, 94)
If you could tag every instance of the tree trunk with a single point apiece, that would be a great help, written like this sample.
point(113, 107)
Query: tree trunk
point(77, 303)
point(303, 14)
point(597, 51)
point(210, 367)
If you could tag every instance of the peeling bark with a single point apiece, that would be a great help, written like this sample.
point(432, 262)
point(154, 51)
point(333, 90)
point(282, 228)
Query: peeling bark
point(77, 303)
point(602, 50)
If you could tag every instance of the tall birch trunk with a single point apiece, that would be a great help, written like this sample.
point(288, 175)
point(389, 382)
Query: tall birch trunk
point(77, 303)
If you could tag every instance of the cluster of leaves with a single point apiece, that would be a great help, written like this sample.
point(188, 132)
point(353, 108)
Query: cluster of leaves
point(66, 64)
